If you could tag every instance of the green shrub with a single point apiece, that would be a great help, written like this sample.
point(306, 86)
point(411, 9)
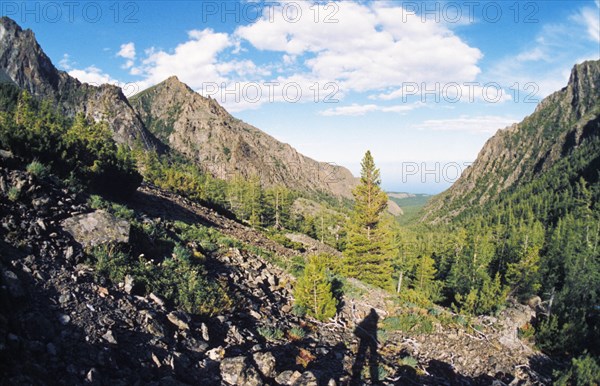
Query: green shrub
point(286, 242)
point(75, 148)
point(296, 333)
point(296, 265)
point(14, 193)
point(526, 332)
point(409, 361)
point(413, 297)
point(299, 310)
point(409, 323)
point(120, 211)
point(97, 202)
point(178, 278)
point(38, 169)
point(584, 370)
point(270, 333)
point(111, 263)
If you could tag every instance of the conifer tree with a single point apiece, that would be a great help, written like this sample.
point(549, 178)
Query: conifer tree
point(370, 241)
point(313, 290)
point(425, 275)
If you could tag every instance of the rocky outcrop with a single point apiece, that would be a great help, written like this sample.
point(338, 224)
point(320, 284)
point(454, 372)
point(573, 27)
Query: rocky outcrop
point(24, 63)
point(517, 154)
point(237, 371)
point(225, 146)
point(394, 209)
point(97, 228)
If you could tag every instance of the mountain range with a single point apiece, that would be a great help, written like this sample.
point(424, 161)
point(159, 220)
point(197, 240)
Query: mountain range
point(169, 117)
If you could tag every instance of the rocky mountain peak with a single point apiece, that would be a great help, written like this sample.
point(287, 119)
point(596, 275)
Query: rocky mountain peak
point(203, 130)
point(24, 63)
point(520, 152)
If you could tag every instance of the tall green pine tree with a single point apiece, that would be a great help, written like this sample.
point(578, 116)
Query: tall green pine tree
point(370, 241)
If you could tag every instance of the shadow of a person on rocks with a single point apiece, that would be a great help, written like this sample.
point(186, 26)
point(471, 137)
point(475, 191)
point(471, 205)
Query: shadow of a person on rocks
point(366, 332)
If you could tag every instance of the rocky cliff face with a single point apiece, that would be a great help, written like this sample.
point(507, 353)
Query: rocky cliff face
point(205, 132)
point(24, 63)
point(517, 154)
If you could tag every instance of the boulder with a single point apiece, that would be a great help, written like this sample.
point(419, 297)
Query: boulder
point(179, 319)
point(288, 377)
point(15, 289)
point(238, 371)
point(265, 361)
point(97, 228)
point(307, 378)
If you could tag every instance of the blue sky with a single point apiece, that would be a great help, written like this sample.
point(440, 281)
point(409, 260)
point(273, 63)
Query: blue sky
point(422, 85)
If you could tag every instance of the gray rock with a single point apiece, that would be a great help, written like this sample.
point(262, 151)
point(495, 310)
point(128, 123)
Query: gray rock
point(97, 228)
point(128, 284)
point(155, 328)
point(195, 345)
point(308, 378)
point(238, 371)
point(64, 319)
point(109, 337)
point(15, 289)
point(216, 354)
point(64, 298)
point(6, 155)
point(157, 299)
point(205, 334)
point(93, 377)
point(265, 361)
point(179, 319)
point(288, 377)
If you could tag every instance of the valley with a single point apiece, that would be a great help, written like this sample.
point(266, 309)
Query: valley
point(157, 239)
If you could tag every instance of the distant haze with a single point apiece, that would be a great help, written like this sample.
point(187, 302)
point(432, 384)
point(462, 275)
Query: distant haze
point(430, 177)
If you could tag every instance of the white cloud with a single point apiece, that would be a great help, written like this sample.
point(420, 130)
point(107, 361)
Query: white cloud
point(452, 92)
point(127, 51)
point(65, 62)
point(351, 110)
point(194, 61)
point(590, 17)
point(368, 48)
point(357, 110)
point(487, 124)
point(555, 49)
point(531, 56)
point(93, 75)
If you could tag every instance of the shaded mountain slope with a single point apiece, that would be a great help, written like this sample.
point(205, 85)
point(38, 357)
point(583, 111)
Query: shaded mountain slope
point(522, 152)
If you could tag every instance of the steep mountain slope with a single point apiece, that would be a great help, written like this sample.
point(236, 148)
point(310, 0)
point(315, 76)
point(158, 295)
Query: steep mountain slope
point(204, 131)
point(24, 63)
point(520, 153)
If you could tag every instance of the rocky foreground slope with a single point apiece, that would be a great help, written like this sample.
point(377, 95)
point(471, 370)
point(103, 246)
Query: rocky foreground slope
point(62, 323)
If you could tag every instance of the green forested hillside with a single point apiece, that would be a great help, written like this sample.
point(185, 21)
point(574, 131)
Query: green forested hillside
point(411, 205)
